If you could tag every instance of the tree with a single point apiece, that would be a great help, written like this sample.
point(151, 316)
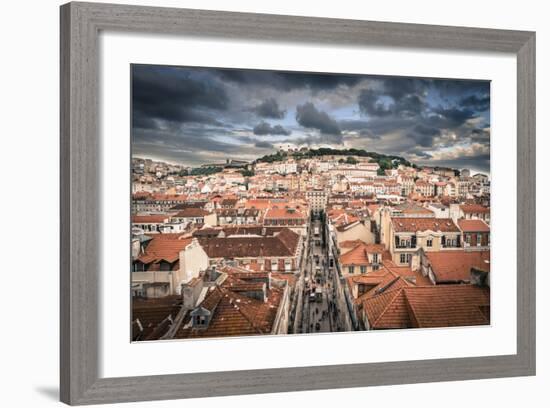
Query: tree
point(247, 173)
point(351, 160)
point(205, 171)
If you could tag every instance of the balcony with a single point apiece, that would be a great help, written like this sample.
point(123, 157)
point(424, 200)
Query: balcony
point(151, 277)
point(406, 246)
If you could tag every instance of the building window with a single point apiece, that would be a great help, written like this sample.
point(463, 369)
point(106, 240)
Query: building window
point(351, 270)
point(200, 320)
point(375, 258)
point(429, 243)
point(287, 265)
point(402, 258)
point(363, 269)
point(478, 240)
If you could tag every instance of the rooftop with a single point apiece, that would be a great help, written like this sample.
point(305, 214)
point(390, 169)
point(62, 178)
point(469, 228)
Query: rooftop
point(473, 225)
point(284, 243)
point(165, 247)
point(456, 266)
point(414, 224)
point(428, 306)
point(474, 208)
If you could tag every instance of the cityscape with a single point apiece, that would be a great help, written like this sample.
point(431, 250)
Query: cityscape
point(270, 203)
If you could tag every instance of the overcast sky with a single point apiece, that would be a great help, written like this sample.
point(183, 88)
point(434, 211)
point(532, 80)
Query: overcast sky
point(200, 115)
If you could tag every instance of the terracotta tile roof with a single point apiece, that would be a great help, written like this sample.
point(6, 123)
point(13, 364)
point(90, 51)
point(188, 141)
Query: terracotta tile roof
point(412, 208)
point(346, 246)
point(473, 225)
point(164, 247)
point(388, 310)
point(448, 305)
point(284, 243)
point(341, 218)
point(151, 313)
point(455, 266)
point(150, 219)
point(407, 273)
point(229, 230)
point(235, 314)
point(358, 255)
point(192, 212)
point(235, 212)
point(140, 195)
point(414, 224)
point(261, 204)
point(168, 197)
point(229, 202)
point(189, 204)
point(474, 208)
point(284, 213)
point(243, 274)
point(428, 306)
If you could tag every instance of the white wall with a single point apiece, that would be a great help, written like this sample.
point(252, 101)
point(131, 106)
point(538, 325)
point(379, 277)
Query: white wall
point(29, 140)
point(192, 261)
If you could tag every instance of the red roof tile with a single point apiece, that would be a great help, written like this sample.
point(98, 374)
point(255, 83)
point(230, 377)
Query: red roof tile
point(473, 225)
point(428, 306)
point(474, 208)
point(164, 247)
point(192, 212)
point(282, 244)
point(150, 219)
point(414, 224)
point(455, 266)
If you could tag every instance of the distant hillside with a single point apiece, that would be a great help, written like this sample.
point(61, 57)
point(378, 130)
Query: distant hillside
point(384, 161)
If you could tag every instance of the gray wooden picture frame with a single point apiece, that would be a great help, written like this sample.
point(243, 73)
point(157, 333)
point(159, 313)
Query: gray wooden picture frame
point(81, 24)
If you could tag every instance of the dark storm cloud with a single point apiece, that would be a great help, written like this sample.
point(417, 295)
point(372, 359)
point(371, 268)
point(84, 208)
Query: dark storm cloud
point(263, 145)
point(196, 115)
point(370, 103)
point(452, 117)
point(418, 152)
point(265, 128)
point(480, 135)
point(361, 127)
point(174, 96)
point(288, 81)
point(477, 163)
point(308, 116)
point(269, 109)
point(397, 96)
point(476, 102)
point(456, 88)
point(424, 135)
point(398, 88)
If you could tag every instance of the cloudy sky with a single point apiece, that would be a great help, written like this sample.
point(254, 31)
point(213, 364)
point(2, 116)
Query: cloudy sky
point(194, 116)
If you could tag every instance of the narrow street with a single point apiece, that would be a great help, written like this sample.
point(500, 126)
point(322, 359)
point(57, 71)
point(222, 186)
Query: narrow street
point(319, 311)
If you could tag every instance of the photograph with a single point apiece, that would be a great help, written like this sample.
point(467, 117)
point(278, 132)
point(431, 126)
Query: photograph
point(269, 202)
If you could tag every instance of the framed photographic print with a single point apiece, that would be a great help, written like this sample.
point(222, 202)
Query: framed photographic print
point(246, 196)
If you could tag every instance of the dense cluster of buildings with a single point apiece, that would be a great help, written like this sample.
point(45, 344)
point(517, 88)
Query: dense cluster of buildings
point(222, 253)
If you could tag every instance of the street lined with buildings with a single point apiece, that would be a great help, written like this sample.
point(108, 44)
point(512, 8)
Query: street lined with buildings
point(307, 241)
